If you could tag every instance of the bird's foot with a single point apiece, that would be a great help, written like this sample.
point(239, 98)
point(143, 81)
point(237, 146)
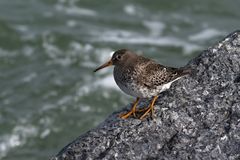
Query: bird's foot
point(150, 108)
point(126, 115)
point(132, 112)
point(147, 110)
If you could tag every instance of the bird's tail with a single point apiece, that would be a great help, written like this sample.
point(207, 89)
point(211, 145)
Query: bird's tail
point(185, 71)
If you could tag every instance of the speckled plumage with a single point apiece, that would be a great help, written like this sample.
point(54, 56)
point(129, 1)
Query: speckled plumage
point(142, 77)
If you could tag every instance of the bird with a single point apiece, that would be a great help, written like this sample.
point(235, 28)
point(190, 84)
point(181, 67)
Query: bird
point(142, 78)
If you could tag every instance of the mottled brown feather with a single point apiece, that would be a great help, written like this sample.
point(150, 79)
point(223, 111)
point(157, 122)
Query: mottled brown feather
point(153, 74)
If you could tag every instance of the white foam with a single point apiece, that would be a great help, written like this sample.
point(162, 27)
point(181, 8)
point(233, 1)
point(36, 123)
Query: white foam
point(89, 88)
point(74, 10)
point(18, 137)
point(76, 45)
point(88, 64)
point(66, 61)
point(205, 34)
point(50, 49)
point(71, 23)
point(49, 94)
point(6, 53)
point(85, 108)
point(8, 142)
point(45, 133)
point(28, 50)
point(83, 90)
point(64, 100)
point(80, 11)
point(130, 9)
point(29, 77)
point(47, 122)
point(107, 82)
point(155, 27)
point(104, 54)
point(112, 36)
point(71, 54)
point(21, 28)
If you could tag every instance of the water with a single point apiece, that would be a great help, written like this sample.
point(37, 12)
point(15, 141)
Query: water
point(48, 50)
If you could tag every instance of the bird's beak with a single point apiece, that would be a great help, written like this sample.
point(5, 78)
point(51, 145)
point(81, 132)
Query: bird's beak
point(108, 63)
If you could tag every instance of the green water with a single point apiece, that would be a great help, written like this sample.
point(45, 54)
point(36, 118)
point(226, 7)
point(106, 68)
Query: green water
point(48, 50)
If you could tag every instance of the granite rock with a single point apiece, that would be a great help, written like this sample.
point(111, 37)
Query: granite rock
point(197, 118)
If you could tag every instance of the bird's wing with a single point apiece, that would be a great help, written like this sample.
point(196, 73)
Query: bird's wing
point(155, 75)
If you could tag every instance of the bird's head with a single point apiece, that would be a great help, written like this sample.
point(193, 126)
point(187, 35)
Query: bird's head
point(119, 57)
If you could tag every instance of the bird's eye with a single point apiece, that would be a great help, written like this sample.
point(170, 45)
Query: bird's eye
point(118, 57)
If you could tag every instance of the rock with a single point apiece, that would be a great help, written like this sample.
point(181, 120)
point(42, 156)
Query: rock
point(197, 118)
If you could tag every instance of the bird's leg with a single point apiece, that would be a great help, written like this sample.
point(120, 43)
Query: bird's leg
point(133, 110)
point(150, 107)
point(142, 110)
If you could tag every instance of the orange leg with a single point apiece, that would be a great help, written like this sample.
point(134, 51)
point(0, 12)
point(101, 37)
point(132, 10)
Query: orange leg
point(142, 110)
point(150, 108)
point(133, 110)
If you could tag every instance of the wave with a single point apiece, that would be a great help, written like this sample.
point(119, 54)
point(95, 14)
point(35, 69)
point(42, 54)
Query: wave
point(125, 37)
point(17, 138)
point(206, 34)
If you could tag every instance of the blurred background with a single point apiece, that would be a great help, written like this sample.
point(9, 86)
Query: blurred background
point(49, 48)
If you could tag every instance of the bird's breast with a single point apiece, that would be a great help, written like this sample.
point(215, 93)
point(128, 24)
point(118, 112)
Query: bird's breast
point(127, 81)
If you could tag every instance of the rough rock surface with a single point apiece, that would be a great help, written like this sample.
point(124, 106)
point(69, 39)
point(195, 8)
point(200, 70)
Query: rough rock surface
point(197, 118)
